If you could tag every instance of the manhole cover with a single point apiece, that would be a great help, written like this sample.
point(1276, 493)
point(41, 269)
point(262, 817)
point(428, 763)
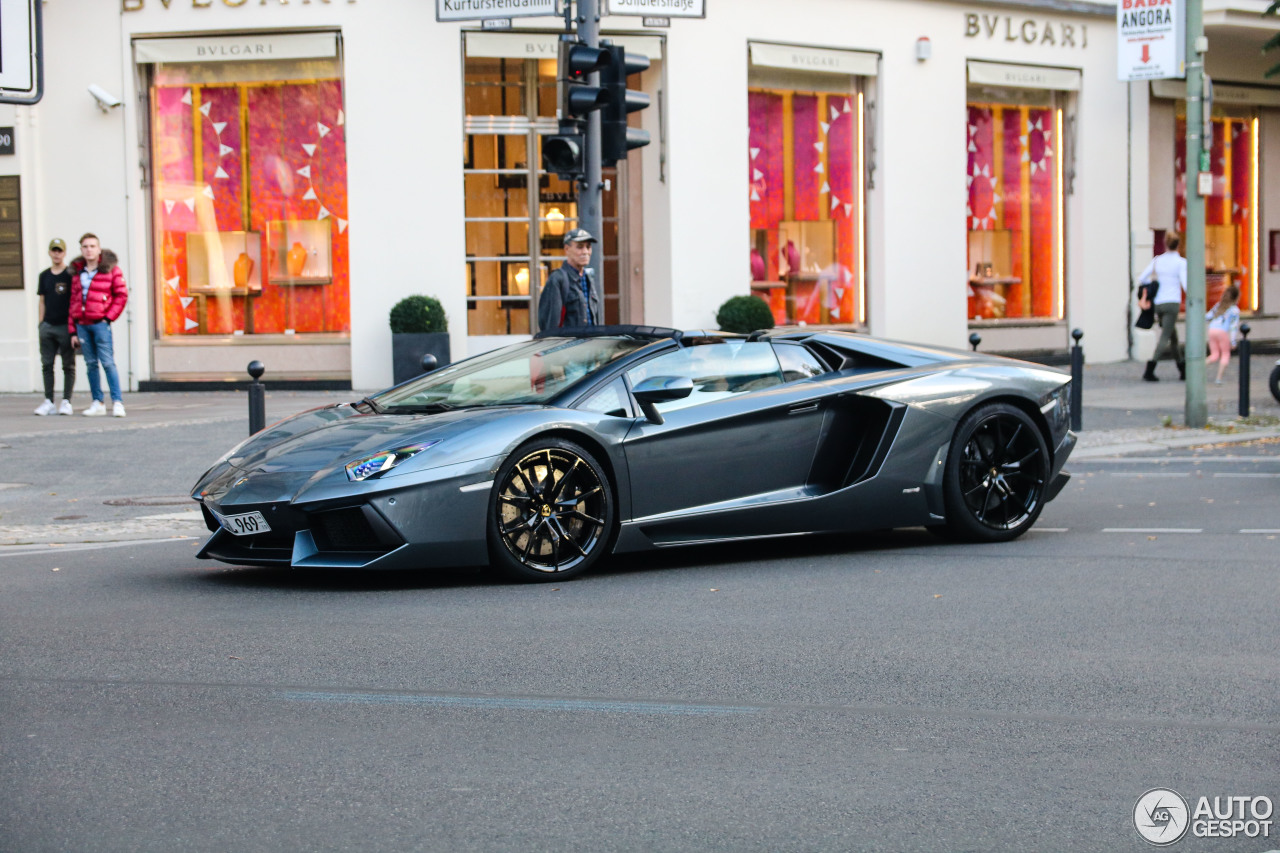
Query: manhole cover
point(164, 500)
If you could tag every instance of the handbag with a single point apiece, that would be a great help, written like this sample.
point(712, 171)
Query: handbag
point(1147, 316)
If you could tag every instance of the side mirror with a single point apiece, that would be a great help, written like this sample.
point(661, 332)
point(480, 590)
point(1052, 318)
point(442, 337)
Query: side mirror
point(660, 389)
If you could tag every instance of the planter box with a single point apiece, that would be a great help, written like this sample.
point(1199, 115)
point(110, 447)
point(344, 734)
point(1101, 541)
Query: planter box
point(407, 351)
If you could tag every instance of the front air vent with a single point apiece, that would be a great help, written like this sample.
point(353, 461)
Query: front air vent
point(352, 529)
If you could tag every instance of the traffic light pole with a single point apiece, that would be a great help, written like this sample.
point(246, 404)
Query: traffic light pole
point(589, 190)
point(1197, 411)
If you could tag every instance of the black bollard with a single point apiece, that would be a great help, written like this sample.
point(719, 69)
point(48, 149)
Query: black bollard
point(429, 362)
point(1077, 381)
point(974, 340)
point(257, 398)
point(1244, 370)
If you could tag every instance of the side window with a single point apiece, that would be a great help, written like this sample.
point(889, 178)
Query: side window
point(718, 370)
point(612, 399)
point(797, 362)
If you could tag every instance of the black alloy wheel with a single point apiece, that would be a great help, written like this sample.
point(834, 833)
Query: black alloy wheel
point(1273, 382)
point(551, 513)
point(997, 470)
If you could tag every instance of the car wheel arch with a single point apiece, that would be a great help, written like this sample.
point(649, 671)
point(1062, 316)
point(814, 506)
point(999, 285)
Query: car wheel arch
point(589, 443)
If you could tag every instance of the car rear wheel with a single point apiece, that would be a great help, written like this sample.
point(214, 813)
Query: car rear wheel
point(551, 513)
point(1274, 382)
point(997, 469)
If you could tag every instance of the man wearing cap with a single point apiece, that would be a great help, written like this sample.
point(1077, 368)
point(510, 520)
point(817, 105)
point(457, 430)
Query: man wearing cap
point(55, 337)
point(570, 298)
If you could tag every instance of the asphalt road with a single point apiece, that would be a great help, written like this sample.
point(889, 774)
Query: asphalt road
point(893, 693)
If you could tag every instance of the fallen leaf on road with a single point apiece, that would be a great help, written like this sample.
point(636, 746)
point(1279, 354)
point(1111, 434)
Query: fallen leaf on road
point(1151, 538)
point(233, 657)
point(937, 596)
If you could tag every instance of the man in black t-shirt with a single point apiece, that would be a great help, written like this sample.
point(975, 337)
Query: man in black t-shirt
point(55, 337)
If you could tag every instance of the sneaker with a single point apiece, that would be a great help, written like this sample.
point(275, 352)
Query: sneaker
point(65, 408)
point(117, 409)
point(45, 408)
point(96, 409)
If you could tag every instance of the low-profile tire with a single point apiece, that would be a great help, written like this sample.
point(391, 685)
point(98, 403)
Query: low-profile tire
point(997, 471)
point(551, 512)
point(1274, 382)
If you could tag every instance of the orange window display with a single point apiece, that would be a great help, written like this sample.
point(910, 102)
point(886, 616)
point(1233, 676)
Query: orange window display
point(1231, 229)
point(250, 199)
point(1013, 212)
point(806, 204)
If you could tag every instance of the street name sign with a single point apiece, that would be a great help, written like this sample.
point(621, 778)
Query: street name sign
point(657, 8)
point(1150, 39)
point(481, 10)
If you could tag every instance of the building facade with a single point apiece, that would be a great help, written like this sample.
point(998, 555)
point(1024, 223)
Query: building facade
point(279, 173)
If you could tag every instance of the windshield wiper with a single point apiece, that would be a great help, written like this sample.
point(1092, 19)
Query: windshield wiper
point(423, 408)
point(373, 406)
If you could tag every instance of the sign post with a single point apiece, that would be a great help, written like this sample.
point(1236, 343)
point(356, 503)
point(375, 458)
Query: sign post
point(1197, 410)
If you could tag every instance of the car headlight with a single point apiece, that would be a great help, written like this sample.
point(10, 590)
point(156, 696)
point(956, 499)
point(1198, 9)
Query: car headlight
point(378, 463)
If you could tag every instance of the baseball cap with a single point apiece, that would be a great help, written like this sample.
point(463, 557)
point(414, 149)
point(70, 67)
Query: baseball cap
point(57, 243)
point(579, 235)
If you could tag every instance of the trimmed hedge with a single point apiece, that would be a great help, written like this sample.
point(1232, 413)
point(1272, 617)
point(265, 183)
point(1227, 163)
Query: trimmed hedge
point(744, 314)
point(418, 314)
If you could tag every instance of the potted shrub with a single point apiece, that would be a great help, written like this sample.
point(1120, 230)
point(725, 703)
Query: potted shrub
point(418, 327)
point(744, 314)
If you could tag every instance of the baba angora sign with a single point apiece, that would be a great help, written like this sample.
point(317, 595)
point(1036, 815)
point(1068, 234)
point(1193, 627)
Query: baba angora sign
point(1151, 38)
point(479, 10)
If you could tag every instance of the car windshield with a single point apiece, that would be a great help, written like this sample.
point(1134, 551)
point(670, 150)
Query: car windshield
point(529, 372)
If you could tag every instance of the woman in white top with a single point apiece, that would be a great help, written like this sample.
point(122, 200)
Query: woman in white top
point(1224, 329)
point(1170, 270)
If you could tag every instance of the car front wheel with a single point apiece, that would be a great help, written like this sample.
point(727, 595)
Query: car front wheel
point(551, 512)
point(997, 469)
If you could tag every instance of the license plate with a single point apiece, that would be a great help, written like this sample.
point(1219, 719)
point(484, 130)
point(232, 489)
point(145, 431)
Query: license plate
point(245, 525)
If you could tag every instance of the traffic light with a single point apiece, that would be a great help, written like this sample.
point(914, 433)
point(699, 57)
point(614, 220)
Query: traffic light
point(563, 152)
point(616, 139)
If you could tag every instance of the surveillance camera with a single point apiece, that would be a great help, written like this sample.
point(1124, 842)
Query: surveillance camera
point(105, 99)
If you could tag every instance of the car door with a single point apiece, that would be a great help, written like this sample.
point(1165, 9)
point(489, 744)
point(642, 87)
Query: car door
point(743, 435)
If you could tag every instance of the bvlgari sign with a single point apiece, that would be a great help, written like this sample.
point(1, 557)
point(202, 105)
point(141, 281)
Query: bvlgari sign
point(479, 10)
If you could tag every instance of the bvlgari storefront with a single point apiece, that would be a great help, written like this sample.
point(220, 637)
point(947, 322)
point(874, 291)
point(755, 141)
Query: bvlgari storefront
point(246, 138)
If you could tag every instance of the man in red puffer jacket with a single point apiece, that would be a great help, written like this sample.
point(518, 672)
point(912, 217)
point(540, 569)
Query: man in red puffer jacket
point(98, 297)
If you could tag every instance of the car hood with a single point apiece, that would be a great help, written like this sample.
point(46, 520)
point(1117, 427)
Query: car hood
point(321, 438)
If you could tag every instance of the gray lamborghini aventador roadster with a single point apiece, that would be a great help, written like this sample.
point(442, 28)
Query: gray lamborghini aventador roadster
point(541, 458)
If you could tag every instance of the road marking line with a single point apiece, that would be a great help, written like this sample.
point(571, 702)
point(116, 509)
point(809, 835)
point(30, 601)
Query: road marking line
point(1150, 473)
point(1260, 530)
point(503, 703)
point(1245, 474)
point(54, 548)
point(1153, 530)
point(1049, 530)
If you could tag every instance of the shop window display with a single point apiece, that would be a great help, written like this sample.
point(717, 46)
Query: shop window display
point(516, 213)
point(1231, 237)
point(1013, 213)
point(250, 198)
point(806, 198)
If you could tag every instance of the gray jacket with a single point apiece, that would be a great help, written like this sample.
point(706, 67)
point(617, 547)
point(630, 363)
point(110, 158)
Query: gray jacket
point(561, 305)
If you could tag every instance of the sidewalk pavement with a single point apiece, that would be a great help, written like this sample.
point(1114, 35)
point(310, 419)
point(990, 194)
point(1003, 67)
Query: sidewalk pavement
point(70, 479)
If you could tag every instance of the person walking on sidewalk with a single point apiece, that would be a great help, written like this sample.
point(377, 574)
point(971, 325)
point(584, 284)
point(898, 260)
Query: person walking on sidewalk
point(1169, 271)
point(1224, 329)
point(55, 336)
point(98, 297)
